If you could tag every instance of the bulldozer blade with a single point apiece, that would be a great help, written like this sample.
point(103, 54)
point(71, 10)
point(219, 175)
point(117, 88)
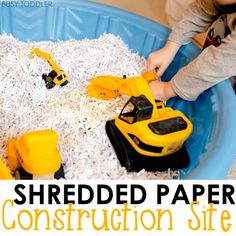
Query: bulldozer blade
point(134, 161)
point(100, 92)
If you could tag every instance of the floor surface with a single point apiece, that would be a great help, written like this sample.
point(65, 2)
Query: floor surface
point(152, 9)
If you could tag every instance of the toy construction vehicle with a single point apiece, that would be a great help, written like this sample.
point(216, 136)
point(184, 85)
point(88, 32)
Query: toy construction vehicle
point(4, 172)
point(56, 76)
point(34, 155)
point(146, 134)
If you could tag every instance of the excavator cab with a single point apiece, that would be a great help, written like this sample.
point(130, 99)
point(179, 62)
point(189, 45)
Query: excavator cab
point(53, 78)
point(136, 109)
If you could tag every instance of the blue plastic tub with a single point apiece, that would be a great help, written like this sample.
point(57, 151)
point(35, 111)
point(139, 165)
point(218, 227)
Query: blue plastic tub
point(212, 146)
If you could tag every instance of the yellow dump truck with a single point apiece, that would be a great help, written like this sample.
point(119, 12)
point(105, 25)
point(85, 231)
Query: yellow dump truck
point(33, 155)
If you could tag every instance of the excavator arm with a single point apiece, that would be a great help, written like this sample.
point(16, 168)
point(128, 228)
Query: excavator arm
point(108, 87)
point(46, 56)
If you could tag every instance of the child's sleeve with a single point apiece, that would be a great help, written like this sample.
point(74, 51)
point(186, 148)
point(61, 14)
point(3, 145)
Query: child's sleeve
point(212, 66)
point(196, 19)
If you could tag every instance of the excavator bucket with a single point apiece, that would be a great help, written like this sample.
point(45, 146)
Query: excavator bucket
point(101, 93)
point(103, 87)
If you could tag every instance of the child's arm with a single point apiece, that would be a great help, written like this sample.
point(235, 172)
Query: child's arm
point(212, 66)
point(162, 58)
point(197, 18)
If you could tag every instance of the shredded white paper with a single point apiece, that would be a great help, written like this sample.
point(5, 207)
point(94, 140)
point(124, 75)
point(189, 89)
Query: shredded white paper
point(26, 103)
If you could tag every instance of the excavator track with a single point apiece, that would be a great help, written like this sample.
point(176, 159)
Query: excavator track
point(134, 161)
point(121, 146)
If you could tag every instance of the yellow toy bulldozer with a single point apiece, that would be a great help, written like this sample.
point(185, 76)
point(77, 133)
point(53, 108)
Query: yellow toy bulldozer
point(34, 155)
point(146, 134)
point(56, 76)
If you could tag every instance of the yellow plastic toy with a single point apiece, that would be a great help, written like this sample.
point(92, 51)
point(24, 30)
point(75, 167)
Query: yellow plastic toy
point(146, 134)
point(56, 76)
point(4, 172)
point(108, 86)
point(34, 155)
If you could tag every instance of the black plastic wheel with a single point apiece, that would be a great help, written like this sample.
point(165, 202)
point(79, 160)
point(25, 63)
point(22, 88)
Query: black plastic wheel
point(44, 77)
point(22, 174)
point(50, 85)
point(60, 173)
point(64, 83)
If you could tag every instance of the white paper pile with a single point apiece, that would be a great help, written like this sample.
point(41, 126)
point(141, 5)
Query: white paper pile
point(79, 120)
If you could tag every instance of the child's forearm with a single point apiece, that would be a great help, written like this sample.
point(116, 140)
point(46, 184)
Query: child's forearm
point(169, 90)
point(172, 47)
point(162, 90)
point(202, 73)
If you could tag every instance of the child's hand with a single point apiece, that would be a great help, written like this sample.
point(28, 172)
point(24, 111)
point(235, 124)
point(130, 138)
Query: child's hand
point(162, 58)
point(162, 90)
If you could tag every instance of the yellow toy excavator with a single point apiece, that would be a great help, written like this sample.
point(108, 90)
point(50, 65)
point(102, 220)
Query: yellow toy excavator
point(146, 134)
point(56, 76)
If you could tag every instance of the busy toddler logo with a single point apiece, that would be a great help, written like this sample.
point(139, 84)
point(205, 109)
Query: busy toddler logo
point(26, 3)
